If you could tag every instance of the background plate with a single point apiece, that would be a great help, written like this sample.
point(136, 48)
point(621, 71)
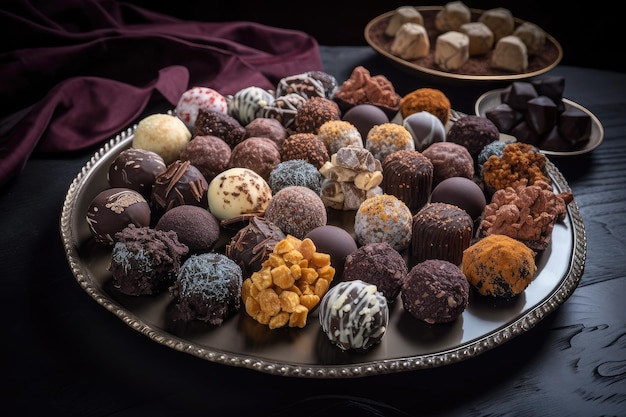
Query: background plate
point(426, 68)
point(408, 344)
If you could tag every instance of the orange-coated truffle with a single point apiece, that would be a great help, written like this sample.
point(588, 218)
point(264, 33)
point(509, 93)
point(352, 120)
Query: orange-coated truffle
point(519, 161)
point(431, 100)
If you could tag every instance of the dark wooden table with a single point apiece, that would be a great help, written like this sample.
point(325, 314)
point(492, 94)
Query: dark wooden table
point(66, 355)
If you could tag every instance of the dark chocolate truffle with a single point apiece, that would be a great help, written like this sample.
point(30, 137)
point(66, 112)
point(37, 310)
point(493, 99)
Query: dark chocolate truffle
point(114, 209)
point(314, 113)
point(551, 86)
point(364, 117)
point(259, 154)
point(301, 84)
point(224, 126)
point(306, 146)
point(266, 127)
point(296, 210)
point(328, 81)
point(182, 183)
point(473, 132)
point(408, 175)
point(435, 291)
point(195, 227)
point(136, 169)
point(209, 154)
point(449, 160)
point(426, 128)
point(380, 264)
point(462, 192)
point(336, 242)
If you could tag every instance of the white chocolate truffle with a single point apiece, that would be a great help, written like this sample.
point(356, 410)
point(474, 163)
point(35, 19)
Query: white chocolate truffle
point(499, 20)
point(510, 54)
point(196, 98)
point(238, 191)
point(452, 16)
point(163, 134)
point(403, 14)
point(481, 38)
point(451, 50)
point(384, 218)
point(533, 37)
point(411, 42)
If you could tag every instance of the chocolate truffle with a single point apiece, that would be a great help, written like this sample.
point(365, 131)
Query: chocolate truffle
point(295, 172)
point(408, 175)
point(267, 127)
point(337, 134)
point(135, 169)
point(314, 113)
point(258, 154)
point(302, 84)
point(473, 132)
point(253, 243)
point(383, 218)
point(209, 154)
point(182, 183)
point(196, 98)
point(364, 117)
point(238, 191)
point(328, 81)
point(283, 109)
point(195, 227)
point(145, 261)
point(449, 159)
point(379, 264)
point(114, 209)
point(354, 315)
point(462, 192)
point(207, 288)
point(306, 146)
point(425, 128)
point(388, 138)
point(494, 148)
point(444, 232)
point(296, 210)
point(163, 134)
point(245, 104)
point(431, 100)
point(336, 242)
point(435, 291)
point(224, 126)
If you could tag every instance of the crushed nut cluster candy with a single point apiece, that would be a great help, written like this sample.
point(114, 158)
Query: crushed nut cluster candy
point(290, 283)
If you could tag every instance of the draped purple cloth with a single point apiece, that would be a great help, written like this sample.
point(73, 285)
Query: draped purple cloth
point(76, 73)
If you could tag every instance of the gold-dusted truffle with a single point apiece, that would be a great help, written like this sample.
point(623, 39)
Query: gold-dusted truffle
point(431, 100)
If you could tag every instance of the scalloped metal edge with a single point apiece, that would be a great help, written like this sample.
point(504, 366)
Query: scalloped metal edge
point(471, 349)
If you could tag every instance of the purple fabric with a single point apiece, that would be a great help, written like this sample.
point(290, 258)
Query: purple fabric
point(76, 73)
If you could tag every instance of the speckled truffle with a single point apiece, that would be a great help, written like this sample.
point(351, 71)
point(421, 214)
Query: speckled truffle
point(196, 98)
point(245, 103)
point(306, 146)
point(136, 169)
point(266, 127)
point(224, 126)
point(431, 100)
point(336, 242)
point(444, 231)
point(383, 218)
point(209, 154)
point(408, 175)
point(474, 133)
point(145, 261)
point(337, 134)
point(388, 138)
point(238, 191)
point(314, 113)
point(354, 315)
point(295, 172)
point(207, 288)
point(379, 264)
point(462, 192)
point(195, 227)
point(258, 154)
point(163, 134)
point(449, 160)
point(435, 291)
point(296, 210)
point(182, 183)
point(426, 128)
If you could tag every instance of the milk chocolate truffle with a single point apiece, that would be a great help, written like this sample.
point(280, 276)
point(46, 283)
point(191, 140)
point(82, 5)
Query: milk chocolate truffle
point(135, 169)
point(379, 264)
point(295, 172)
point(449, 160)
point(435, 291)
point(314, 113)
point(224, 126)
point(114, 209)
point(426, 129)
point(473, 132)
point(195, 227)
point(306, 146)
point(253, 243)
point(444, 231)
point(296, 210)
point(266, 127)
point(258, 154)
point(182, 183)
point(462, 192)
point(336, 242)
point(302, 84)
point(164, 134)
point(383, 218)
point(209, 154)
point(238, 191)
point(145, 261)
point(364, 117)
point(408, 175)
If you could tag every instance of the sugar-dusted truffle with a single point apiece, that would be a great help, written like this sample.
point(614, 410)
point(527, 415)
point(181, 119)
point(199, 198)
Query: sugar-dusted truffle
point(383, 218)
point(296, 210)
point(387, 138)
point(295, 172)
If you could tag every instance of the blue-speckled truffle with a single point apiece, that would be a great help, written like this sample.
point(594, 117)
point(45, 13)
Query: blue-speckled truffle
point(494, 148)
point(295, 172)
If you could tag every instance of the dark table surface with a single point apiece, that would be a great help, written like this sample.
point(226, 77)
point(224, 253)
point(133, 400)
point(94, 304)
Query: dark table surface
point(67, 355)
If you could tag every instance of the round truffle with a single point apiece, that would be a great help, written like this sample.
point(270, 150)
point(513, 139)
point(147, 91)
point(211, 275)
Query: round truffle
point(207, 288)
point(431, 100)
point(379, 264)
point(266, 127)
point(196, 98)
point(163, 134)
point(245, 104)
point(114, 209)
point(182, 183)
point(337, 134)
point(252, 244)
point(328, 81)
point(314, 113)
point(194, 226)
point(296, 210)
point(444, 231)
point(383, 218)
point(364, 117)
point(145, 261)
point(209, 154)
point(222, 125)
point(499, 266)
point(426, 128)
point(135, 169)
point(462, 192)
point(388, 138)
point(336, 242)
point(474, 133)
point(258, 154)
point(295, 172)
point(408, 175)
point(449, 160)
point(306, 146)
point(435, 291)
point(302, 84)
point(283, 109)
point(354, 315)
point(238, 191)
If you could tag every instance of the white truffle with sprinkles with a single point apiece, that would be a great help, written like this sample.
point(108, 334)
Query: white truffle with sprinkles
point(238, 191)
point(383, 218)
